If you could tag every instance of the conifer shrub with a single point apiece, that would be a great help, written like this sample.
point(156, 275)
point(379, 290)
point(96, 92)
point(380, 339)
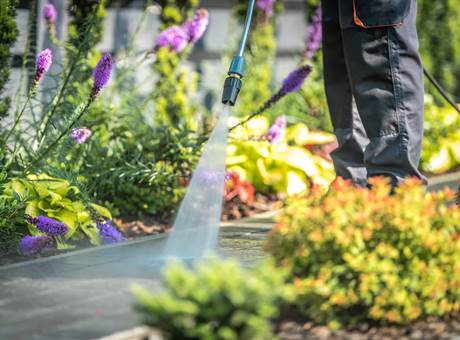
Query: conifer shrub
point(356, 254)
point(217, 300)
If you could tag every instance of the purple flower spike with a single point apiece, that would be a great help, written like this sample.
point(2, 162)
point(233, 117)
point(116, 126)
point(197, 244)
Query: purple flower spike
point(108, 233)
point(49, 13)
point(196, 26)
point(276, 132)
point(43, 64)
point(174, 37)
point(80, 135)
point(315, 33)
point(292, 83)
point(30, 245)
point(266, 6)
point(48, 225)
point(101, 74)
point(295, 80)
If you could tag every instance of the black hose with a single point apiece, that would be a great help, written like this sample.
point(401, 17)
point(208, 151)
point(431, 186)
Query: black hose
point(443, 92)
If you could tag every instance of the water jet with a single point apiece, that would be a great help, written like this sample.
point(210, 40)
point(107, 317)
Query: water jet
point(196, 227)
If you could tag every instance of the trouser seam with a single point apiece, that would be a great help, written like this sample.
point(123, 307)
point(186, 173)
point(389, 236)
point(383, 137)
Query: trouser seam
point(397, 89)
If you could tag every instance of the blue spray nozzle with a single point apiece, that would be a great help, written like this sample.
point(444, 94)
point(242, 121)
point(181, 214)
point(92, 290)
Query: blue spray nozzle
point(233, 82)
point(237, 66)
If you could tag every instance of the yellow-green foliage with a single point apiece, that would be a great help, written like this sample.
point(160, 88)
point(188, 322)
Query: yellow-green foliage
point(438, 23)
point(174, 90)
point(286, 168)
point(357, 254)
point(175, 11)
point(441, 145)
point(218, 300)
point(56, 198)
point(260, 60)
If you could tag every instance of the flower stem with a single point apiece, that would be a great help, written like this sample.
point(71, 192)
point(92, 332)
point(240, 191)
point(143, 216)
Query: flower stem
point(268, 104)
point(81, 110)
point(18, 117)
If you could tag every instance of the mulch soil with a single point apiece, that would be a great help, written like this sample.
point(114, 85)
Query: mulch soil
point(430, 328)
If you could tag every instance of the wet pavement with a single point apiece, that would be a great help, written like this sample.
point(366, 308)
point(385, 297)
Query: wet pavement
point(85, 294)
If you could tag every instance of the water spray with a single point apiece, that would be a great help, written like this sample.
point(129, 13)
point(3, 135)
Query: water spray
point(235, 73)
point(196, 228)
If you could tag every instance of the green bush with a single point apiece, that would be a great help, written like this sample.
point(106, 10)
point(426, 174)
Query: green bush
point(438, 23)
point(175, 11)
point(357, 254)
point(441, 145)
point(12, 225)
point(149, 166)
point(174, 89)
point(219, 300)
point(9, 33)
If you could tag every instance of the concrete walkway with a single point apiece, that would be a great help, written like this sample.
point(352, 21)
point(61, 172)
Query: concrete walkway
point(85, 294)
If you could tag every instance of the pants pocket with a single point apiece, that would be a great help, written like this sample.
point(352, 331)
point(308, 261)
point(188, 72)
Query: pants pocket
point(380, 13)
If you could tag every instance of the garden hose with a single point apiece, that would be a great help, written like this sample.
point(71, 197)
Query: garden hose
point(441, 91)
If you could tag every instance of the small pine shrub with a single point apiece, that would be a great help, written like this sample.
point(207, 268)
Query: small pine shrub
point(356, 254)
point(219, 300)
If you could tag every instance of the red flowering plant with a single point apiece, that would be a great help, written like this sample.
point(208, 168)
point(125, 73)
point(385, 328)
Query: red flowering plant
point(357, 254)
point(237, 187)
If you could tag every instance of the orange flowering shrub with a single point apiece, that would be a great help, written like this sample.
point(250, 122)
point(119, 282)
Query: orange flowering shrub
point(356, 254)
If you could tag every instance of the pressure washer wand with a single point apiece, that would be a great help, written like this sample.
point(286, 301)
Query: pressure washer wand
point(235, 73)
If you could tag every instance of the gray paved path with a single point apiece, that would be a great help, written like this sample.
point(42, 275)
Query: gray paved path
point(85, 294)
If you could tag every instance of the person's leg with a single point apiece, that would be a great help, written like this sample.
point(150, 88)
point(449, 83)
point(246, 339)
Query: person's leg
point(349, 156)
point(381, 53)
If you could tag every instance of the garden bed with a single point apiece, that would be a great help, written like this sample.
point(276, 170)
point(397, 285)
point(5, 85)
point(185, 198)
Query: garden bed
point(296, 328)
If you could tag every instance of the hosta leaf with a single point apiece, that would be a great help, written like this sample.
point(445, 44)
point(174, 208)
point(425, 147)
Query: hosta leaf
point(91, 231)
point(104, 212)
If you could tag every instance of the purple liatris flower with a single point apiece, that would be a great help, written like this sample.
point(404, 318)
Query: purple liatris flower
point(174, 37)
point(49, 13)
point(294, 81)
point(108, 233)
point(48, 225)
point(277, 130)
point(315, 33)
point(266, 6)
point(30, 245)
point(101, 74)
point(196, 26)
point(43, 64)
point(80, 135)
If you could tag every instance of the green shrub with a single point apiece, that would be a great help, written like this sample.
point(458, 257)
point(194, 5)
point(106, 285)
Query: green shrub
point(8, 36)
point(175, 11)
point(438, 23)
point(174, 90)
point(12, 226)
point(441, 145)
point(219, 300)
point(132, 160)
point(357, 254)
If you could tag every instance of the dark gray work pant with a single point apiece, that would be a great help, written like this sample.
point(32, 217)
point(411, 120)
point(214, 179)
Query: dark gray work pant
point(374, 84)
